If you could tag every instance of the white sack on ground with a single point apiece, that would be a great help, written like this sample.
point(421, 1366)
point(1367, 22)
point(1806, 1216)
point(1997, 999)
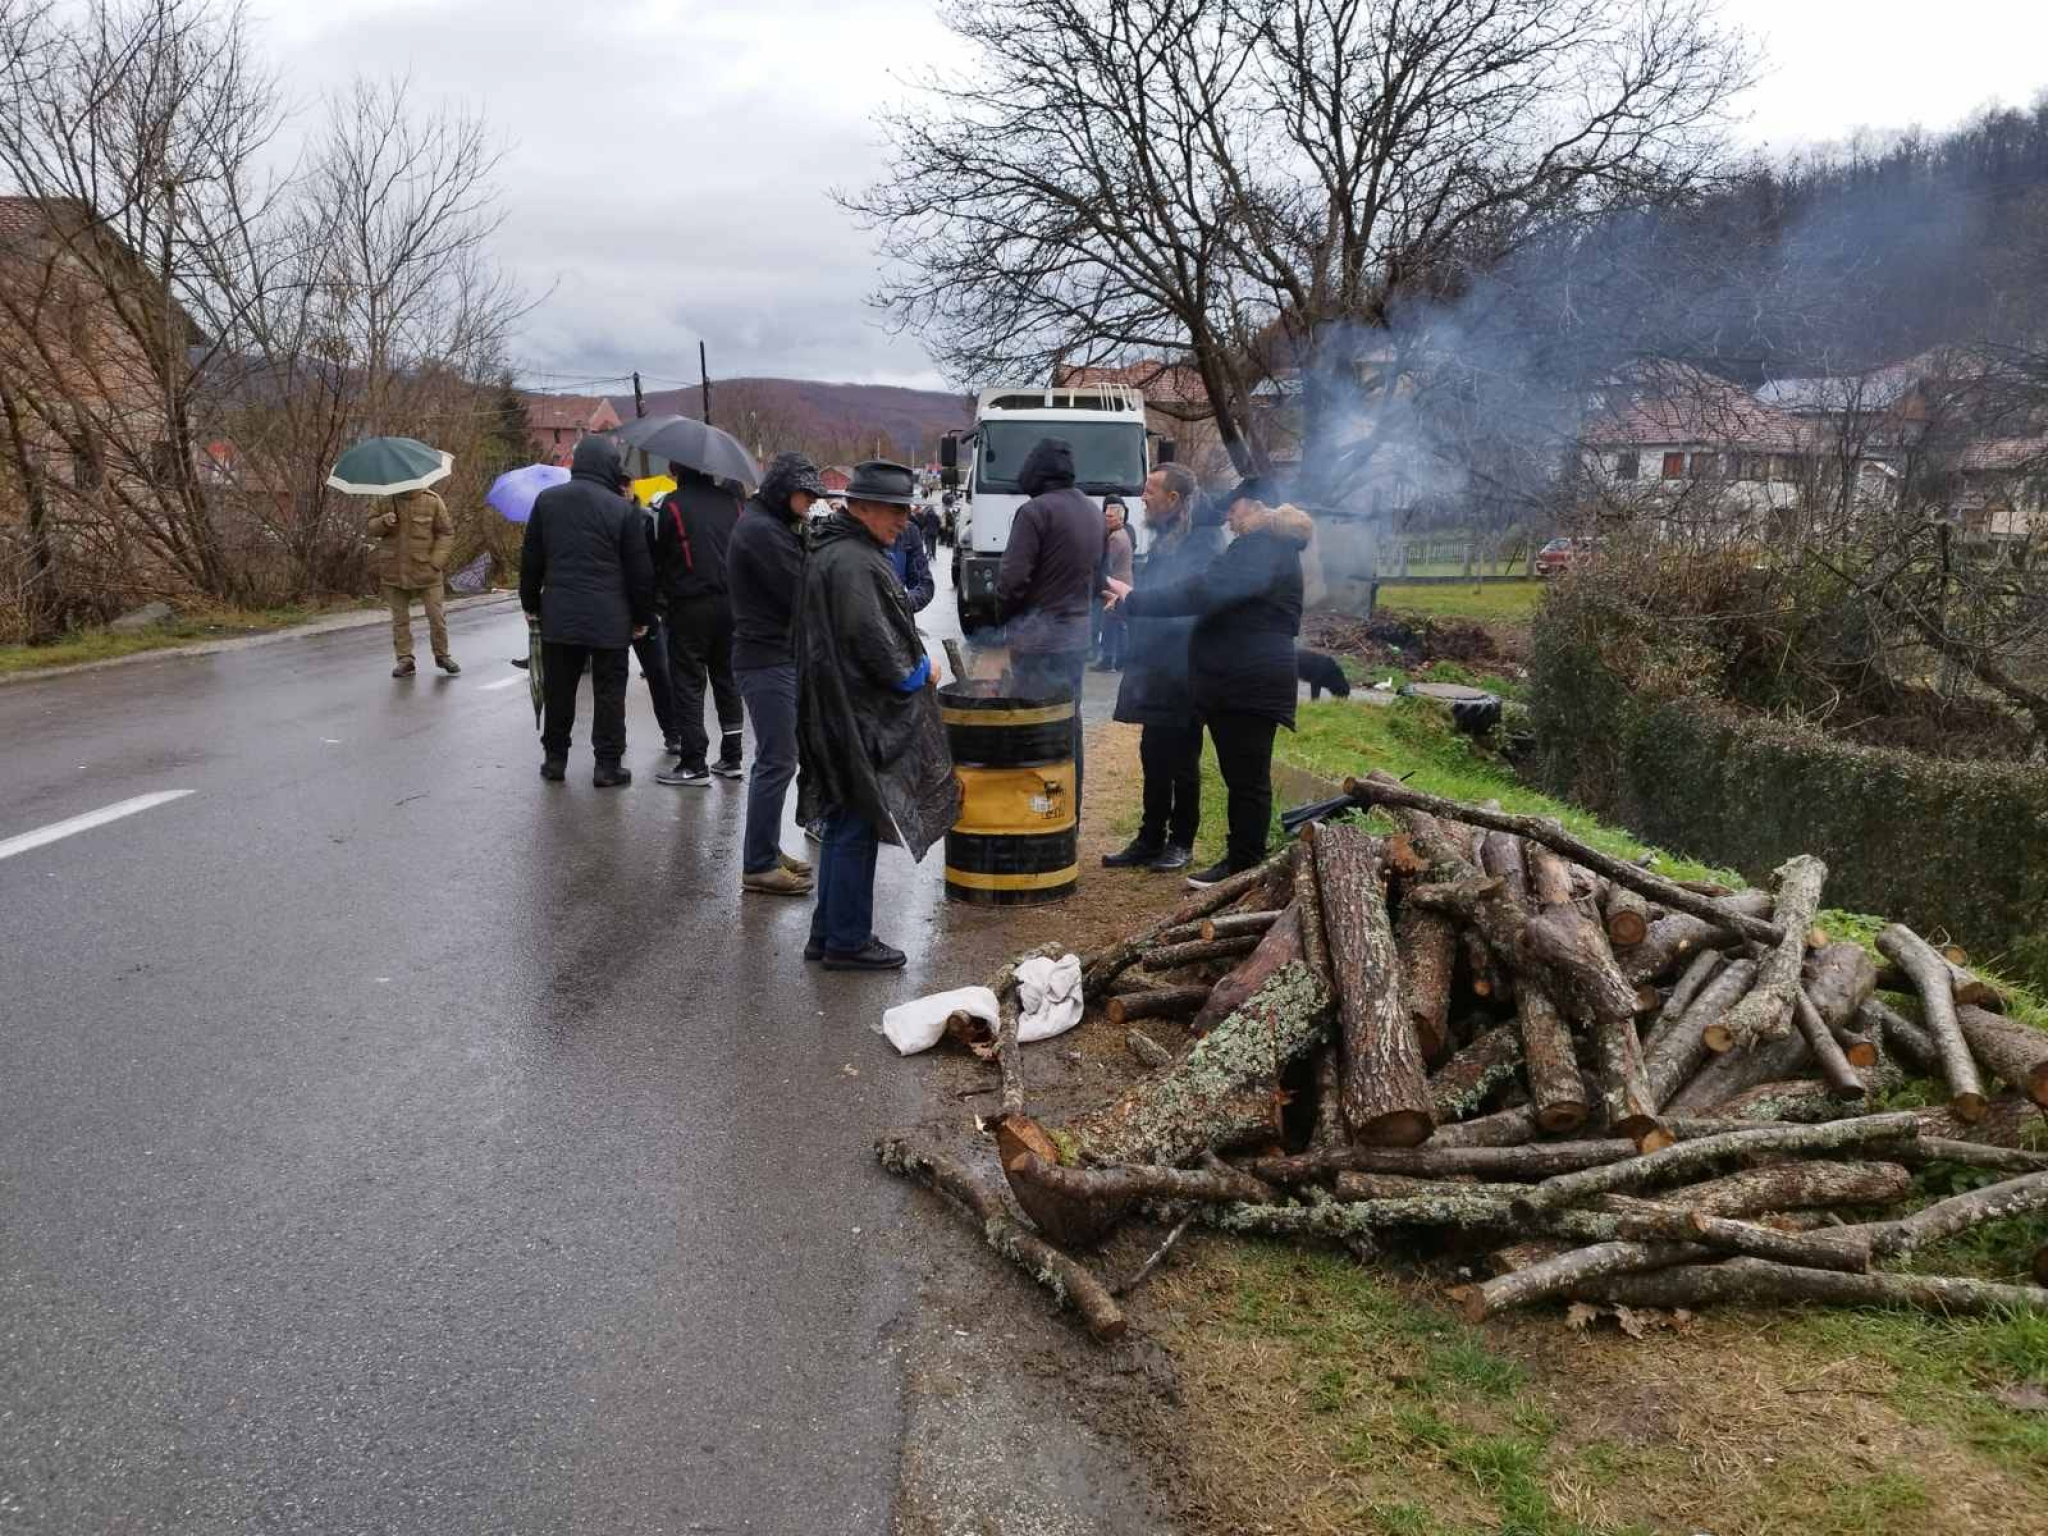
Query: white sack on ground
point(917, 1026)
point(1048, 996)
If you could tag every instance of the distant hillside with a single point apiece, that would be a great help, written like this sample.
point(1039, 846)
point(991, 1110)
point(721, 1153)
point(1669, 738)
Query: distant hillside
point(834, 423)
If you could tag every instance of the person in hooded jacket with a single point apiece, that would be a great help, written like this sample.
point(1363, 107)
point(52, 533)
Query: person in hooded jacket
point(1153, 692)
point(586, 579)
point(690, 549)
point(764, 569)
point(870, 739)
point(1047, 581)
point(1246, 605)
point(414, 537)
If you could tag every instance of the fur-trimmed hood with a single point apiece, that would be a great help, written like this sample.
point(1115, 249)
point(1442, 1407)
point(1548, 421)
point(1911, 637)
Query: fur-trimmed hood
point(1287, 522)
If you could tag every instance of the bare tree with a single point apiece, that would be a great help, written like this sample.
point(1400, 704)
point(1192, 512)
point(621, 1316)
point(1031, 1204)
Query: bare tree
point(1256, 185)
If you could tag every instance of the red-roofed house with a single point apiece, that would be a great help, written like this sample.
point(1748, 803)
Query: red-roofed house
point(555, 424)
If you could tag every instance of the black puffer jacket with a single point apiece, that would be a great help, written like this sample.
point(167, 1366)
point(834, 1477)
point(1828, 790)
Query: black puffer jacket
point(763, 569)
point(584, 566)
point(694, 537)
point(1247, 610)
point(1047, 578)
point(861, 742)
point(1154, 687)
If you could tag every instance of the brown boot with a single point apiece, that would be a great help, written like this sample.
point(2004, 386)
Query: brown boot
point(776, 882)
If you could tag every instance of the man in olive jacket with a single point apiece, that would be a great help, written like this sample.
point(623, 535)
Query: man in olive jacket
point(413, 537)
point(586, 577)
point(873, 747)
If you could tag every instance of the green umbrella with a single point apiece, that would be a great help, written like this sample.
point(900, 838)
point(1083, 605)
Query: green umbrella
point(386, 466)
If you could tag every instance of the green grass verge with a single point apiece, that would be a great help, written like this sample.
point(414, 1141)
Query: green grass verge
point(1508, 602)
point(101, 644)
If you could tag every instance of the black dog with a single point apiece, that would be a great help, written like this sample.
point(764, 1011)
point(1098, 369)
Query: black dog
point(1320, 672)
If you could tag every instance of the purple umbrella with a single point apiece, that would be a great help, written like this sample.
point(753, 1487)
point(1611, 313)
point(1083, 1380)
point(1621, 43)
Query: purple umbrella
point(513, 492)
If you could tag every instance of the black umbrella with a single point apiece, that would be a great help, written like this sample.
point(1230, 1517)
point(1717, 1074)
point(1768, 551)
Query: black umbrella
point(680, 440)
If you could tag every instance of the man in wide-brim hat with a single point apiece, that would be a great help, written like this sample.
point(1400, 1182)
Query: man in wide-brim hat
point(869, 734)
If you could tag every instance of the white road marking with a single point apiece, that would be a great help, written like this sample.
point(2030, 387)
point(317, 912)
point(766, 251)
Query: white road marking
point(508, 682)
point(76, 824)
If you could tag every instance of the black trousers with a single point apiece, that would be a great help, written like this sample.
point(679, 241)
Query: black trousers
point(700, 648)
point(652, 650)
point(561, 673)
point(1172, 759)
point(1244, 751)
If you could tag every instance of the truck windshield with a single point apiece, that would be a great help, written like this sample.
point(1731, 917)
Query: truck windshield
point(1108, 455)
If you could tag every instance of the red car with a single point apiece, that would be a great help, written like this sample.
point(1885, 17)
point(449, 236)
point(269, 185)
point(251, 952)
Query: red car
point(1561, 555)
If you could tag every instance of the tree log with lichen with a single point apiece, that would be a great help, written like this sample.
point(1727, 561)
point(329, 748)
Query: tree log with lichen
point(1223, 1093)
point(1766, 1013)
point(1386, 1097)
point(1474, 1074)
point(1750, 1282)
point(1279, 945)
point(2015, 1052)
point(1930, 971)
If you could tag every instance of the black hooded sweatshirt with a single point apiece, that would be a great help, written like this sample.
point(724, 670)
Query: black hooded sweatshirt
point(695, 523)
point(583, 566)
point(763, 569)
point(1048, 573)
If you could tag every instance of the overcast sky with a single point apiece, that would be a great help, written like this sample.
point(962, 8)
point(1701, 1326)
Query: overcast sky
point(669, 160)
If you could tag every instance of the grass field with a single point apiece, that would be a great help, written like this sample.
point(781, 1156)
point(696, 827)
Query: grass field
point(100, 644)
point(1322, 1396)
point(1505, 602)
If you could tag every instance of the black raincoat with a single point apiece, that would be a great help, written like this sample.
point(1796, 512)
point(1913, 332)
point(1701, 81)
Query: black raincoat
point(861, 743)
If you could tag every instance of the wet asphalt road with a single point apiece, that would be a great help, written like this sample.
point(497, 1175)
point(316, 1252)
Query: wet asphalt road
point(390, 1142)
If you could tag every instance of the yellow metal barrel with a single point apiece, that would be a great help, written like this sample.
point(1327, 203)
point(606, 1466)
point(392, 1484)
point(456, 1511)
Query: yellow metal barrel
point(1016, 840)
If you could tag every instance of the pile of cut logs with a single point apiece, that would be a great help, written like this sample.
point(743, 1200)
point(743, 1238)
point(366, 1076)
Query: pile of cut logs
point(1478, 1036)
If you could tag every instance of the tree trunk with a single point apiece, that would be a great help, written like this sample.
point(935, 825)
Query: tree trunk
point(1522, 1164)
point(1703, 969)
point(1968, 986)
point(1835, 1070)
point(1674, 1163)
point(1308, 911)
point(1673, 1055)
point(1840, 979)
point(1802, 1101)
point(1280, 945)
point(1748, 1282)
point(1796, 1187)
point(2013, 1051)
point(1468, 1079)
point(1726, 1075)
point(1235, 925)
point(1557, 1093)
point(1945, 1218)
point(1068, 1280)
point(1626, 1098)
point(1166, 1003)
point(1386, 1097)
point(1932, 977)
point(1540, 829)
point(1427, 944)
point(1171, 957)
point(1222, 1093)
point(1766, 1013)
point(1568, 1271)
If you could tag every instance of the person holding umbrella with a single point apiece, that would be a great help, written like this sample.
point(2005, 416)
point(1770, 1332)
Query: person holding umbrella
point(413, 533)
point(693, 537)
point(869, 735)
point(586, 578)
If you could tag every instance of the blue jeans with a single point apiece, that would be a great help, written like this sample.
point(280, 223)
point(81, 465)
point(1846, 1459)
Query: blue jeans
point(844, 919)
point(770, 695)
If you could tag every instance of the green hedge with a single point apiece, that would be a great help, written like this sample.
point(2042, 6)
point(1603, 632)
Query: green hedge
point(1953, 848)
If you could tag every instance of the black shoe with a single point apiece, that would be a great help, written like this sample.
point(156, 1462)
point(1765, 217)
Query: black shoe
point(690, 778)
point(449, 665)
point(611, 776)
point(555, 769)
point(814, 951)
point(1139, 852)
point(404, 669)
point(1173, 858)
point(877, 956)
point(729, 769)
point(1215, 874)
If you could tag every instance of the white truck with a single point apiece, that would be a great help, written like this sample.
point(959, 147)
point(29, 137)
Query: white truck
point(1105, 423)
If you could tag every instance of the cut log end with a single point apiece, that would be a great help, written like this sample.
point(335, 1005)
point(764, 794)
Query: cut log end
point(1471, 1303)
point(1969, 1108)
point(1627, 928)
point(1647, 1133)
point(1718, 1038)
point(1555, 1119)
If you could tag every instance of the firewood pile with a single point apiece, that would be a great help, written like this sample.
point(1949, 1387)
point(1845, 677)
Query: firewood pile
point(1480, 1037)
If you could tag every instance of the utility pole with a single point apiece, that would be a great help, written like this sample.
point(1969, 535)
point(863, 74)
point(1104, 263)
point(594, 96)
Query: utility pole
point(704, 373)
point(639, 400)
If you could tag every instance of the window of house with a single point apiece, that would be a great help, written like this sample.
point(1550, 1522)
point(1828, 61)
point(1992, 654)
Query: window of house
point(1627, 466)
point(558, 435)
point(1674, 466)
point(1706, 466)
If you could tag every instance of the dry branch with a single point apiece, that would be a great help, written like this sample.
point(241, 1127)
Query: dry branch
point(1931, 975)
point(1060, 1273)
